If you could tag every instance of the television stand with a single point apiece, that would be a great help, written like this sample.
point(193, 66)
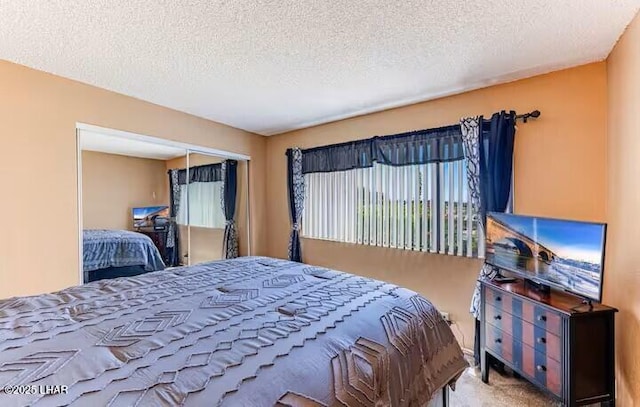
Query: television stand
point(540, 288)
point(589, 303)
point(554, 341)
point(585, 301)
point(502, 279)
point(498, 277)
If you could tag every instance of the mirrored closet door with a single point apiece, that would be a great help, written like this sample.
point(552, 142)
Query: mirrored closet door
point(150, 204)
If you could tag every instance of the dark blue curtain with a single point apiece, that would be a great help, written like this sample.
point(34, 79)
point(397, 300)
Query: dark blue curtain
point(230, 240)
point(496, 162)
point(416, 147)
point(173, 249)
point(295, 190)
point(496, 168)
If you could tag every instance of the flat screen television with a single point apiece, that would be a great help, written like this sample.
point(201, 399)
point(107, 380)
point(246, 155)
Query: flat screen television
point(564, 254)
point(143, 216)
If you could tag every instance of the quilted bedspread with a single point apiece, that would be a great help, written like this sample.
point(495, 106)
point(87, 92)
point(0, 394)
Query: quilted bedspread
point(252, 331)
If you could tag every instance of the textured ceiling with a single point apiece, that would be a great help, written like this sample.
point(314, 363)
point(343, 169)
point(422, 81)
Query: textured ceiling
point(273, 66)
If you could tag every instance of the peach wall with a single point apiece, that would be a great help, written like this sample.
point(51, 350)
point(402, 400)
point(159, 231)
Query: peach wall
point(622, 275)
point(113, 184)
point(38, 115)
point(560, 171)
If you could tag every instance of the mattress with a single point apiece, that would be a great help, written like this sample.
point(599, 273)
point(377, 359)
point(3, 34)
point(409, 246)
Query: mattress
point(118, 248)
point(251, 331)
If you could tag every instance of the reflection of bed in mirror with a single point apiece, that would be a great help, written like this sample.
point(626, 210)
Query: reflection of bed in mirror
point(118, 253)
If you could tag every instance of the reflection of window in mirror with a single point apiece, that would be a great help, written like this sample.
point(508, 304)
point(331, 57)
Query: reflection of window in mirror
point(203, 195)
point(204, 217)
point(200, 217)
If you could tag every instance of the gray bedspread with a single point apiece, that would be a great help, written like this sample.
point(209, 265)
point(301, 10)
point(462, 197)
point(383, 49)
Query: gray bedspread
point(118, 248)
point(252, 331)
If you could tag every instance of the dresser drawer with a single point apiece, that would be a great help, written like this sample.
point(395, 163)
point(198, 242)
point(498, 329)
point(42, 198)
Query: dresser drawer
point(541, 340)
point(524, 309)
point(500, 319)
point(532, 335)
point(499, 300)
point(548, 320)
point(501, 343)
point(542, 369)
point(537, 366)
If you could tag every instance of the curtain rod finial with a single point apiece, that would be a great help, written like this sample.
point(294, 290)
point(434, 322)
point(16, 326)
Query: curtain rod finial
point(535, 114)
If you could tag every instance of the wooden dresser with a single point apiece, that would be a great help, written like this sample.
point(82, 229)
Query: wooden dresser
point(553, 340)
point(159, 238)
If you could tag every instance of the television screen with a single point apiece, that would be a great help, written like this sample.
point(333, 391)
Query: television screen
point(565, 254)
point(143, 217)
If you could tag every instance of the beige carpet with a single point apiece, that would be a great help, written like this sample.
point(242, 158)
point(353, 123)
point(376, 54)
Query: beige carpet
point(502, 391)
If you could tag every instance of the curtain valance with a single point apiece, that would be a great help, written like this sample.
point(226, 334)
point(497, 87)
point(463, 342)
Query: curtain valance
point(201, 173)
point(417, 147)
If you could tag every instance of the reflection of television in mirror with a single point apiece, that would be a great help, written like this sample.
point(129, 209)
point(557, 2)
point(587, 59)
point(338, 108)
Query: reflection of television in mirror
point(564, 254)
point(144, 217)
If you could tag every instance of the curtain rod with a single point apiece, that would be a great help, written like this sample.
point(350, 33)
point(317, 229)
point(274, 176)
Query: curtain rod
point(534, 114)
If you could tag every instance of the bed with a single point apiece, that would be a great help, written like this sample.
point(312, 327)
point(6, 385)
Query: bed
point(117, 253)
point(251, 331)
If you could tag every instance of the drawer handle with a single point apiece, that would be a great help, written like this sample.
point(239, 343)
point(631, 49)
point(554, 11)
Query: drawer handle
point(541, 368)
point(498, 340)
point(497, 317)
point(542, 318)
point(498, 298)
point(542, 340)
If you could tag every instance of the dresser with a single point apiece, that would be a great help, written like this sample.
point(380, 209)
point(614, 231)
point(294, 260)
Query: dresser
point(159, 238)
point(559, 344)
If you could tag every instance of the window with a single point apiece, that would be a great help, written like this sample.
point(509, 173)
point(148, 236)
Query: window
point(204, 203)
point(423, 207)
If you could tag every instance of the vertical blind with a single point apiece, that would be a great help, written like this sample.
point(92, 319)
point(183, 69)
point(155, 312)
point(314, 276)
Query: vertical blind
point(421, 207)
